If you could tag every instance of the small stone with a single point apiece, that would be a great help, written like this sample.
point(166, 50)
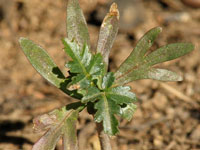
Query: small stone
point(170, 112)
point(158, 141)
point(196, 134)
point(156, 115)
point(160, 101)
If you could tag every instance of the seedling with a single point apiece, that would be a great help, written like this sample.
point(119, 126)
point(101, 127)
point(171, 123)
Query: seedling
point(104, 94)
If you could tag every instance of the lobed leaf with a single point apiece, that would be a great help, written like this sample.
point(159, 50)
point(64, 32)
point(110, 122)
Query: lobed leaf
point(49, 140)
point(96, 66)
point(139, 64)
point(87, 66)
point(88, 77)
point(108, 80)
point(81, 58)
point(91, 95)
point(149, 73)
point(63, 126)
point(135, 74)
point(108, 32)
point(44, 122)
point(139, 51)
point(128, 111)
point(69, 132)
point(121, 95)
point(110, 104)
point(106, 109)
point(76, 24)
point(42, 62)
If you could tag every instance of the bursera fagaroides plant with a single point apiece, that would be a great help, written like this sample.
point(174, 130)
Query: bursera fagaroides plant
point(103, 93)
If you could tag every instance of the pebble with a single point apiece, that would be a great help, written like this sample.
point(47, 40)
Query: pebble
point(196, 134)
point(158, 141)
point(170, 112)
point(160, 101)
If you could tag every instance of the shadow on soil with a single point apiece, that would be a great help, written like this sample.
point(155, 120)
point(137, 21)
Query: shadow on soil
point(8, 126)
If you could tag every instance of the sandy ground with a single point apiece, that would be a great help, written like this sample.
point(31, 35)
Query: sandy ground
point(168, 114)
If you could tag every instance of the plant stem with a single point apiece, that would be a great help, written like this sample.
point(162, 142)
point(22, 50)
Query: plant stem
point(103, 138)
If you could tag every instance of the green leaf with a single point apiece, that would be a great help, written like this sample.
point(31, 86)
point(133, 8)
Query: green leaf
point(162, 75)
point(106, 109)
point(139, 51)
point(139, 64)
point(109, 105)
point(76, 24)
point(87, 66)
point(169, 52)
point(79, 82)
point(121, 95)
point(43, 64)
point(97, 69)
point(69, 132)
point(128, 111)
point(81, 58)
point(150, 73)
point(135, 74)
point(108, 32)
point(108, 80)
point(96, 66)
point(92, 94)
point(63, 124)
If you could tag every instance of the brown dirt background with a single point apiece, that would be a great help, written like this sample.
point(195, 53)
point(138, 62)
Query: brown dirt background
point(168, 114)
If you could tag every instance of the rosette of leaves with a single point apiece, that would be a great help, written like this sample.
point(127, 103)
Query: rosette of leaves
point(103, 93)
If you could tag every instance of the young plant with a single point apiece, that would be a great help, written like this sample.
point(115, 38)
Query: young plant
point(103, 93)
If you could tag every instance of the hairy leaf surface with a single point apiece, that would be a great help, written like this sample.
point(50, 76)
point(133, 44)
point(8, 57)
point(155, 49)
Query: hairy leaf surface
point(139, 51)
point(92, 94)
point(80, 57)
point(162, 75)
point(169, 52)
point(151, 73)
point(108, 80)
point(106, 110)
point(108, 32)
point(42, 62)
point(63, 126)
point(84, 64)
point(121, 95)
point(139, 64)
point(110, 104)
point(76, 24)
point(102, 92)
